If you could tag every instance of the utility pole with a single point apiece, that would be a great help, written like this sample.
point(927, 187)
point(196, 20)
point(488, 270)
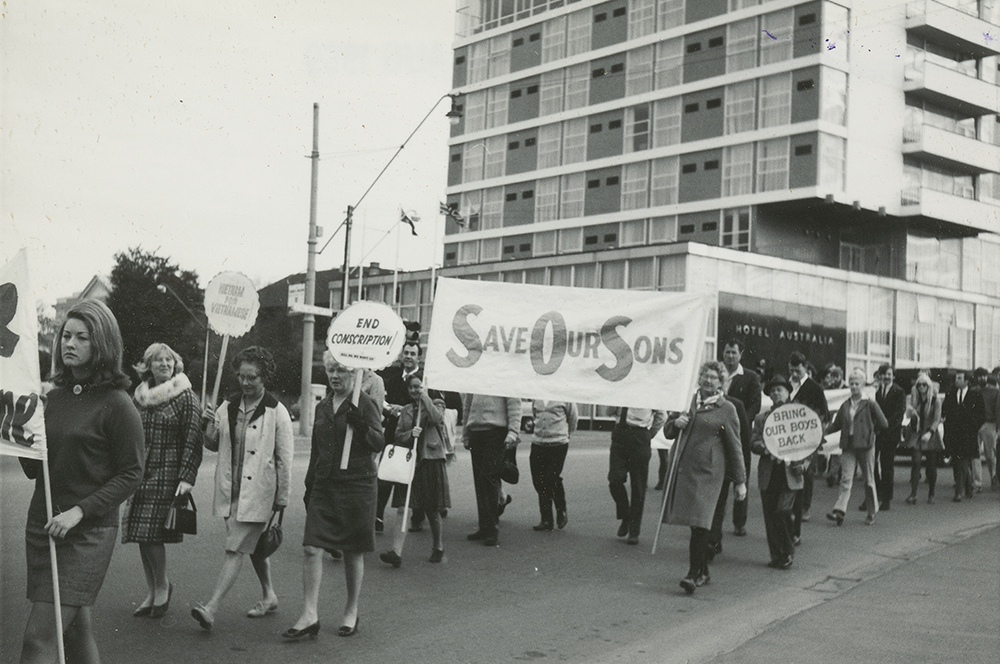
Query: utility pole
point(308, 319)
point(347, 259)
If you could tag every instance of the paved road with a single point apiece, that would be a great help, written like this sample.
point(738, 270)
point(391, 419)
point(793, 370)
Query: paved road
point(919, 586)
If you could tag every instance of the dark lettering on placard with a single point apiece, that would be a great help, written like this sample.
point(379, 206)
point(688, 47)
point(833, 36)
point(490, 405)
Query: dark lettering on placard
point(14, 415)
point(8, 307)
point(466, 336)
point(617, 345)
point(559, 336)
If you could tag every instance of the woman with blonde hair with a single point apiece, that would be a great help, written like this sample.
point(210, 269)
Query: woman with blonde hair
point(171, 421)
point(924, 411)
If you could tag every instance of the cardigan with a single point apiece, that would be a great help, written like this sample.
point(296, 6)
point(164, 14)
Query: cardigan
point(433, 443)
point(554, 421)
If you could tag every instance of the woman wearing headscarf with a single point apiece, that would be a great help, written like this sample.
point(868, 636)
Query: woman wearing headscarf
point(172, 423)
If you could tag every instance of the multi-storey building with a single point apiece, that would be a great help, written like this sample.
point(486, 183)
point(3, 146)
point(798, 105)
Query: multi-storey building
point(830, 169)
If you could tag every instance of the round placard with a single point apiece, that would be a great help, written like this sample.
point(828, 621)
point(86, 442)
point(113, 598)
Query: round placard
point(792, 432)
point(366, 335)
point(231, 304)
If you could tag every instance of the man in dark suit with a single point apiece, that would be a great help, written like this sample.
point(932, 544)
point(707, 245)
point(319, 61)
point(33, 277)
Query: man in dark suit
point(964, 413)
point(807, 392)
point(892, 400)
point(745, 386)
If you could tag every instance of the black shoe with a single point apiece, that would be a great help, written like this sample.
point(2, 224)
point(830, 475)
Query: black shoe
point(490, 541)
point(658, 487)
point(295, 634)
point(476, 536)
point(688, 584)
point(349, 631)
point(623, 529)
point(391, 558)
point(796, 540)
point(157, 611)
point(783, 563)
point(142, 612)
point(544, 525)
point(437, 555)
point(885, 506)
point(379, 525)
point(740, 531)
point(502, 506)
point(561, 519)
point(836, 516)
point(702, 579)
point(632, 540)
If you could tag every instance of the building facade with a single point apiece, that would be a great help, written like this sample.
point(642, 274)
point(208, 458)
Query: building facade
point(830, 169)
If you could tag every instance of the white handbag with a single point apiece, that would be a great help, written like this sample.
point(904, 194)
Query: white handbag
point(397, 465)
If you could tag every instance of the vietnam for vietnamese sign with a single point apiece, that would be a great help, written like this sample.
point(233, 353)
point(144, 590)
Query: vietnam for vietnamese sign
point(231, 304)
point(614, 347)
point(792, 432)
point(366, 335)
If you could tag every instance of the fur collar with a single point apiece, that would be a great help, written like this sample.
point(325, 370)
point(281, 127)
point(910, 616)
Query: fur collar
point(150, 397)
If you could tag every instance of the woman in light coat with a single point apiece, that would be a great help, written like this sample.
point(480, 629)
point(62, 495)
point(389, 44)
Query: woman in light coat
point(925, 418)
point(253, 434)
point(707, 453)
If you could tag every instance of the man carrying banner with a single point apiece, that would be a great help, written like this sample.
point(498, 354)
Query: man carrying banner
point(629, 458)
point(491, 427)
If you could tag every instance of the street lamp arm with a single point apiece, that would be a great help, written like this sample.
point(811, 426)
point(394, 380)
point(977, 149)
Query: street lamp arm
point(163, 288)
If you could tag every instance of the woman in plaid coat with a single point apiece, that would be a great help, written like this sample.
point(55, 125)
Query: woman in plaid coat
point(171, 419)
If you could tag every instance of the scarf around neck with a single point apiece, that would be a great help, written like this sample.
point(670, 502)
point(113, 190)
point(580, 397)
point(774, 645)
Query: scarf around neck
point(149, 397)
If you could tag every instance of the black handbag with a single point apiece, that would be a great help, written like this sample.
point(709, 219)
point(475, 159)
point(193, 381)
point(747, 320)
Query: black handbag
point(182, 517)
point(509, 473)
point(270, 539)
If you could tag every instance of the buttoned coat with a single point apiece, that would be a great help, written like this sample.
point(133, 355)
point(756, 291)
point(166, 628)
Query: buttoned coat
point(746, 388)
point(868, 418)
point(706, 454)
point(267, 459)
point(893, 406)
point(962, 422)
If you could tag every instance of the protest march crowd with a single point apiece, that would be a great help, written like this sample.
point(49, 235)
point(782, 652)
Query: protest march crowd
point(108, 448)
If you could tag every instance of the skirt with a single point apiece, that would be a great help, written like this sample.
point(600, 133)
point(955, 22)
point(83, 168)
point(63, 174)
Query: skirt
point(430, 486)
point(341, 515)
point(242, 536)
point(83, 557)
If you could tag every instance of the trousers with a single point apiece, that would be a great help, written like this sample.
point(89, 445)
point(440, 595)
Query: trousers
point(546, 463)
point(629, 459)
point(487, 449)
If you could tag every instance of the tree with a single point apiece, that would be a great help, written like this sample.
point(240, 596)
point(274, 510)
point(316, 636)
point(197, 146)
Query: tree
point(147, 315)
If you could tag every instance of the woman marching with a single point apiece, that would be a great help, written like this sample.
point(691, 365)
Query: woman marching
point(925, 418)
point(253, 435)
point(172, 424)
point(96, 454)
point(707, 453)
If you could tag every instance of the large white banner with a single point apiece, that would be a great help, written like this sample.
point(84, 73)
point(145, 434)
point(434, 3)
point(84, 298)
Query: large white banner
point(615, 347)
point(22, 429)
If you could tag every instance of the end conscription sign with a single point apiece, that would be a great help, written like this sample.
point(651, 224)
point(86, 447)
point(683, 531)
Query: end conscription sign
point(366, 335)
point(231, 304)
point(792, 432)
point(615, 347)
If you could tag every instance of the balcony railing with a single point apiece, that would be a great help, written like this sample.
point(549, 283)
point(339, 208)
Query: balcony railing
point(924, 7)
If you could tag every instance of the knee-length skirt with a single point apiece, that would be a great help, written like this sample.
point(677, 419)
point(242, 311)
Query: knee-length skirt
point(430, 486)
point(341, 515)
point(83, 557)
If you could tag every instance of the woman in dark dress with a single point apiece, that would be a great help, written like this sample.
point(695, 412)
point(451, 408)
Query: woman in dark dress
point(340, 504)
point(96, 455)
point(171, 419)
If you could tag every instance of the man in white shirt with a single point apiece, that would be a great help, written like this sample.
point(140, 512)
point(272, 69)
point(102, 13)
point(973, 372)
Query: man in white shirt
point(629, 458)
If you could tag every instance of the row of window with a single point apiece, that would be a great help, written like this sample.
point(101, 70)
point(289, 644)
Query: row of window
point(772, 101)
point(727, 228)
point(778, 164)
point(758, 40)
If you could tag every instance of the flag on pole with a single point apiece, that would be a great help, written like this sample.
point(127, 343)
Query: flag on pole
point(408, 219)
point(451, 211)
point(22, 428)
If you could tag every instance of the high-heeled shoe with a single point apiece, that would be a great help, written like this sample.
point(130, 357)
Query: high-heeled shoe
point(349, 631)
point(292, 634)
point(157, 611)
point(142, 612)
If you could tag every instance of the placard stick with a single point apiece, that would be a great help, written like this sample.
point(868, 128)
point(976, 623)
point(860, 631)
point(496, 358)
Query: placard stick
point(349, 436)
point(409, 485)
point(218, 372)
point(60, 647)
point(204, 369)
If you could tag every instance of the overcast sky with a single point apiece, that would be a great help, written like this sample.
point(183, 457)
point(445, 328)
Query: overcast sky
point(185, 127)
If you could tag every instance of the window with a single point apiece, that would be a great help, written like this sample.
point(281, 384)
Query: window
point(635, 185)
point(472, 161)
point(475, 111)
point(670, 14)
point(479, 61)
point(741, 99)
point(737, 170)
point(736, 229)
point(663, 182)
point(641, 18)
point(496, 157)
point(691, 108)
point(667, 122)
point(574, 141)
point(743, 4)
point(777, 34)
point(571, 196)
point(545, 243)
point(776, 100)
point(662, 229)
point(551, 100)
point(832, 161)
point(668, 67)
point(469, 206)
point(716, 42)
point(639, 73)
point(554, 39)
point(547, 200)
point(570, 241)
point(492, 208)
point(803, 150)
point(741, 50)
point(578, 32)
point(637, 128)
point(496, 106)
point(549, 142)
point(772, 164)
point(500, 55)
point(577, 86)
point(613, 274)
point(491, 250)
point(833, 96)
point(634, 233)
point(468, 252)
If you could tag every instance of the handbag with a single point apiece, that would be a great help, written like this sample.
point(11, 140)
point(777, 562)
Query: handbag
point(509, 473)
point(182, 517)
point(270, 539)
point(397, 465)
